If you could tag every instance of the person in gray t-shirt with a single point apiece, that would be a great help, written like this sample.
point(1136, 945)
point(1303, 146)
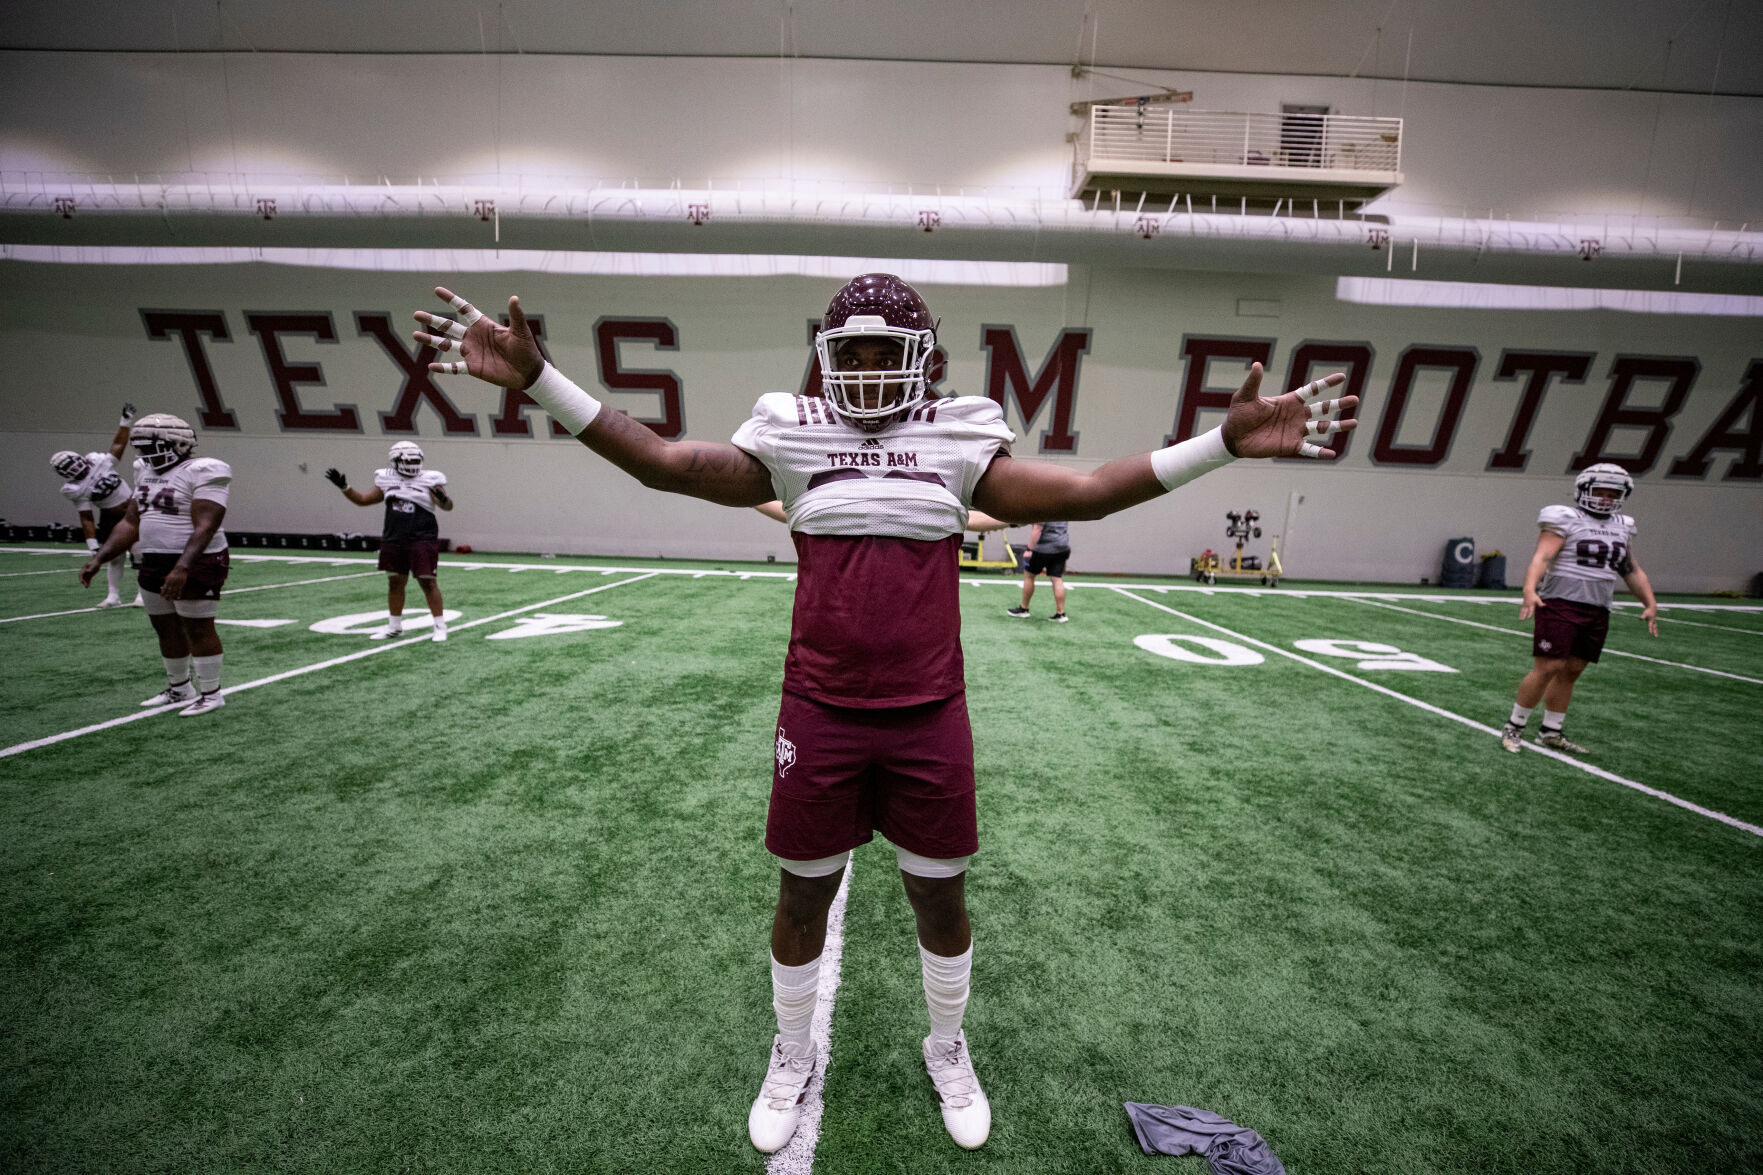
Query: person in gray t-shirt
point(1048, 547)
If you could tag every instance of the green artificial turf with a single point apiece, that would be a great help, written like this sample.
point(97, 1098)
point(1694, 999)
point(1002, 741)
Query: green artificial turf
point(501, 905)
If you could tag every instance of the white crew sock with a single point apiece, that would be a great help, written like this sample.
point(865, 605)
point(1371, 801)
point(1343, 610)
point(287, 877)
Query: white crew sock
point(207, 673)
point(945, 991)
point(1552, 719)
point(1521, 715)
point(113, 576)
point(396, 622)
point(177, 670)
point(794, 992)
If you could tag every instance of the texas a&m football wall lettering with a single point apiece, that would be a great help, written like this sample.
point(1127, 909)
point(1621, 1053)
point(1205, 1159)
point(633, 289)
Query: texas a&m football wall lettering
point(1470, 420)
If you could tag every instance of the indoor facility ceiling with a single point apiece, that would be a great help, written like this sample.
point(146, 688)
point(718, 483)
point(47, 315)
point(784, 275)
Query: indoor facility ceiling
point(1685, 46)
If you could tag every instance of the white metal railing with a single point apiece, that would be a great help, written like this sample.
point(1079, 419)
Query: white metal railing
point(1171, 134)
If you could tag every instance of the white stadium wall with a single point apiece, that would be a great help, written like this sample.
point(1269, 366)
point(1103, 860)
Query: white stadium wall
point(78, 342)
point(1467, 150)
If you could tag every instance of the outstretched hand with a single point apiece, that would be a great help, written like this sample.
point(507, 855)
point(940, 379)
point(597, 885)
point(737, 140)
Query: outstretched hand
point(507, 356)
point(1288, 425)
point(336, 478)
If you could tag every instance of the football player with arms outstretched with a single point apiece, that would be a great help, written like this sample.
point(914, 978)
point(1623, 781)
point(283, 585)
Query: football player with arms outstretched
point(410, 544)
point(100, 495)
point(1581, 553)
point(876, 482)
point(174, 523)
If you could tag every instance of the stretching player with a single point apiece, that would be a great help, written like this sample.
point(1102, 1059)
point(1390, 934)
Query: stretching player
point(1582, 551)
point(410, 544)
point(174, 522)
point(100, 495)
point(873, 734)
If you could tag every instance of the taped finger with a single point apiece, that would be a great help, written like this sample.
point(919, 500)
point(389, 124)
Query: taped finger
point(457, 367)
point(1312, 390)
point(1322, 428)
point(1322, 409)
point(466, 310)
point(1309, 450)
point(446, 327)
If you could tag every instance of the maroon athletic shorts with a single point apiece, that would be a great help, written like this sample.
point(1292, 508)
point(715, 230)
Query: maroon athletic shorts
point(843, 774)
point(419, 559)
point(207, 575)
point(1568, 629)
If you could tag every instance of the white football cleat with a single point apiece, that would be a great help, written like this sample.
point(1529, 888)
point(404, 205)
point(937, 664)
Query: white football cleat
point(966, 1113)
point(389, 631)
point(205, 704)
point(183, 691)
point(139, 601)
point(772, 1121)
point(110, 602)
point(440, 633)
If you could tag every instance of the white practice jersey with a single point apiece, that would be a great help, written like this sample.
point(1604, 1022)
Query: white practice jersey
point(410, 489)
point(164, 500)
point(912, 480)
point(1593, 558)
point(101, 488)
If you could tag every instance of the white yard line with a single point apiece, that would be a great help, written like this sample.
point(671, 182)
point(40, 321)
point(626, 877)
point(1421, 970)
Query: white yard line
point(797, 1158)
point(1522, 633)
point(304, 669)
point(56, 571)
point(259, 555)
point(46, 615)
point(1469, 722)
point(1704, 624)
point(229, 591)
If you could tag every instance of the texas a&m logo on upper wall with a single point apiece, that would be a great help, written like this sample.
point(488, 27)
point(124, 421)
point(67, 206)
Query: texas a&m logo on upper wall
point(1641, 397)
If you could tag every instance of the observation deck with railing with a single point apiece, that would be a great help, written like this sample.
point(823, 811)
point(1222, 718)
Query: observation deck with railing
point(1147, 148)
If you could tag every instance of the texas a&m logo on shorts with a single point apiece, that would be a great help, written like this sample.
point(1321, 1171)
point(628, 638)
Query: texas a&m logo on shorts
point(786, 753)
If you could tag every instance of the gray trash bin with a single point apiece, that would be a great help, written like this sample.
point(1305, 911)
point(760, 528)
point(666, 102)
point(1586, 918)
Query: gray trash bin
point(1459, 569)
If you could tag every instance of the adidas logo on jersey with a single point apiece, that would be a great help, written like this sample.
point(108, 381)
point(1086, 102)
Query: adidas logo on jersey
point(871, 443)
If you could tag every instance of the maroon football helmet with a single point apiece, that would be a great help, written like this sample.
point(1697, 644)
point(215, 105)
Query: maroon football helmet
point(876, 306)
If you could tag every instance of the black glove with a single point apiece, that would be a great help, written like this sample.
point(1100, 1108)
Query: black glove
point(336, 478)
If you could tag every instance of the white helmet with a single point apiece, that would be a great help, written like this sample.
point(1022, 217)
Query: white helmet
point(70, 465)
point(406, 458)
point(162, 440)
point(1602, 478)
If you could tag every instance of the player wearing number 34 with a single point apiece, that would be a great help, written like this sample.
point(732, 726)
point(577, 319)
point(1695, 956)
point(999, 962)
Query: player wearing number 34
point(876, 479)
point(1581, 553)
point(173, 521)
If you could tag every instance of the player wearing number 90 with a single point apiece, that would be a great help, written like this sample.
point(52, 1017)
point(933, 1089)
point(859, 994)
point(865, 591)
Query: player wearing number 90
point(1581, 553)
point(410, 544)
point(174, 520)
point(100, 495)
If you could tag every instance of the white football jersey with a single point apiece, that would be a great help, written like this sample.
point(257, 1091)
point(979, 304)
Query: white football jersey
point(164, 500)
point(410, 489)
point(912, 480)
point(101, 488)
point(1593, 558)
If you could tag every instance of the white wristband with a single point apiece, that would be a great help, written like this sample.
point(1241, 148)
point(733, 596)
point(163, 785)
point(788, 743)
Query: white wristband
point(568, 405)
point(91, 544)
point(1179, 464)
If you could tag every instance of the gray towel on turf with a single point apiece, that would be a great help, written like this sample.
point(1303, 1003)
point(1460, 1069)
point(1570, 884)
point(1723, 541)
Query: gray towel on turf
point(1229, 1149)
